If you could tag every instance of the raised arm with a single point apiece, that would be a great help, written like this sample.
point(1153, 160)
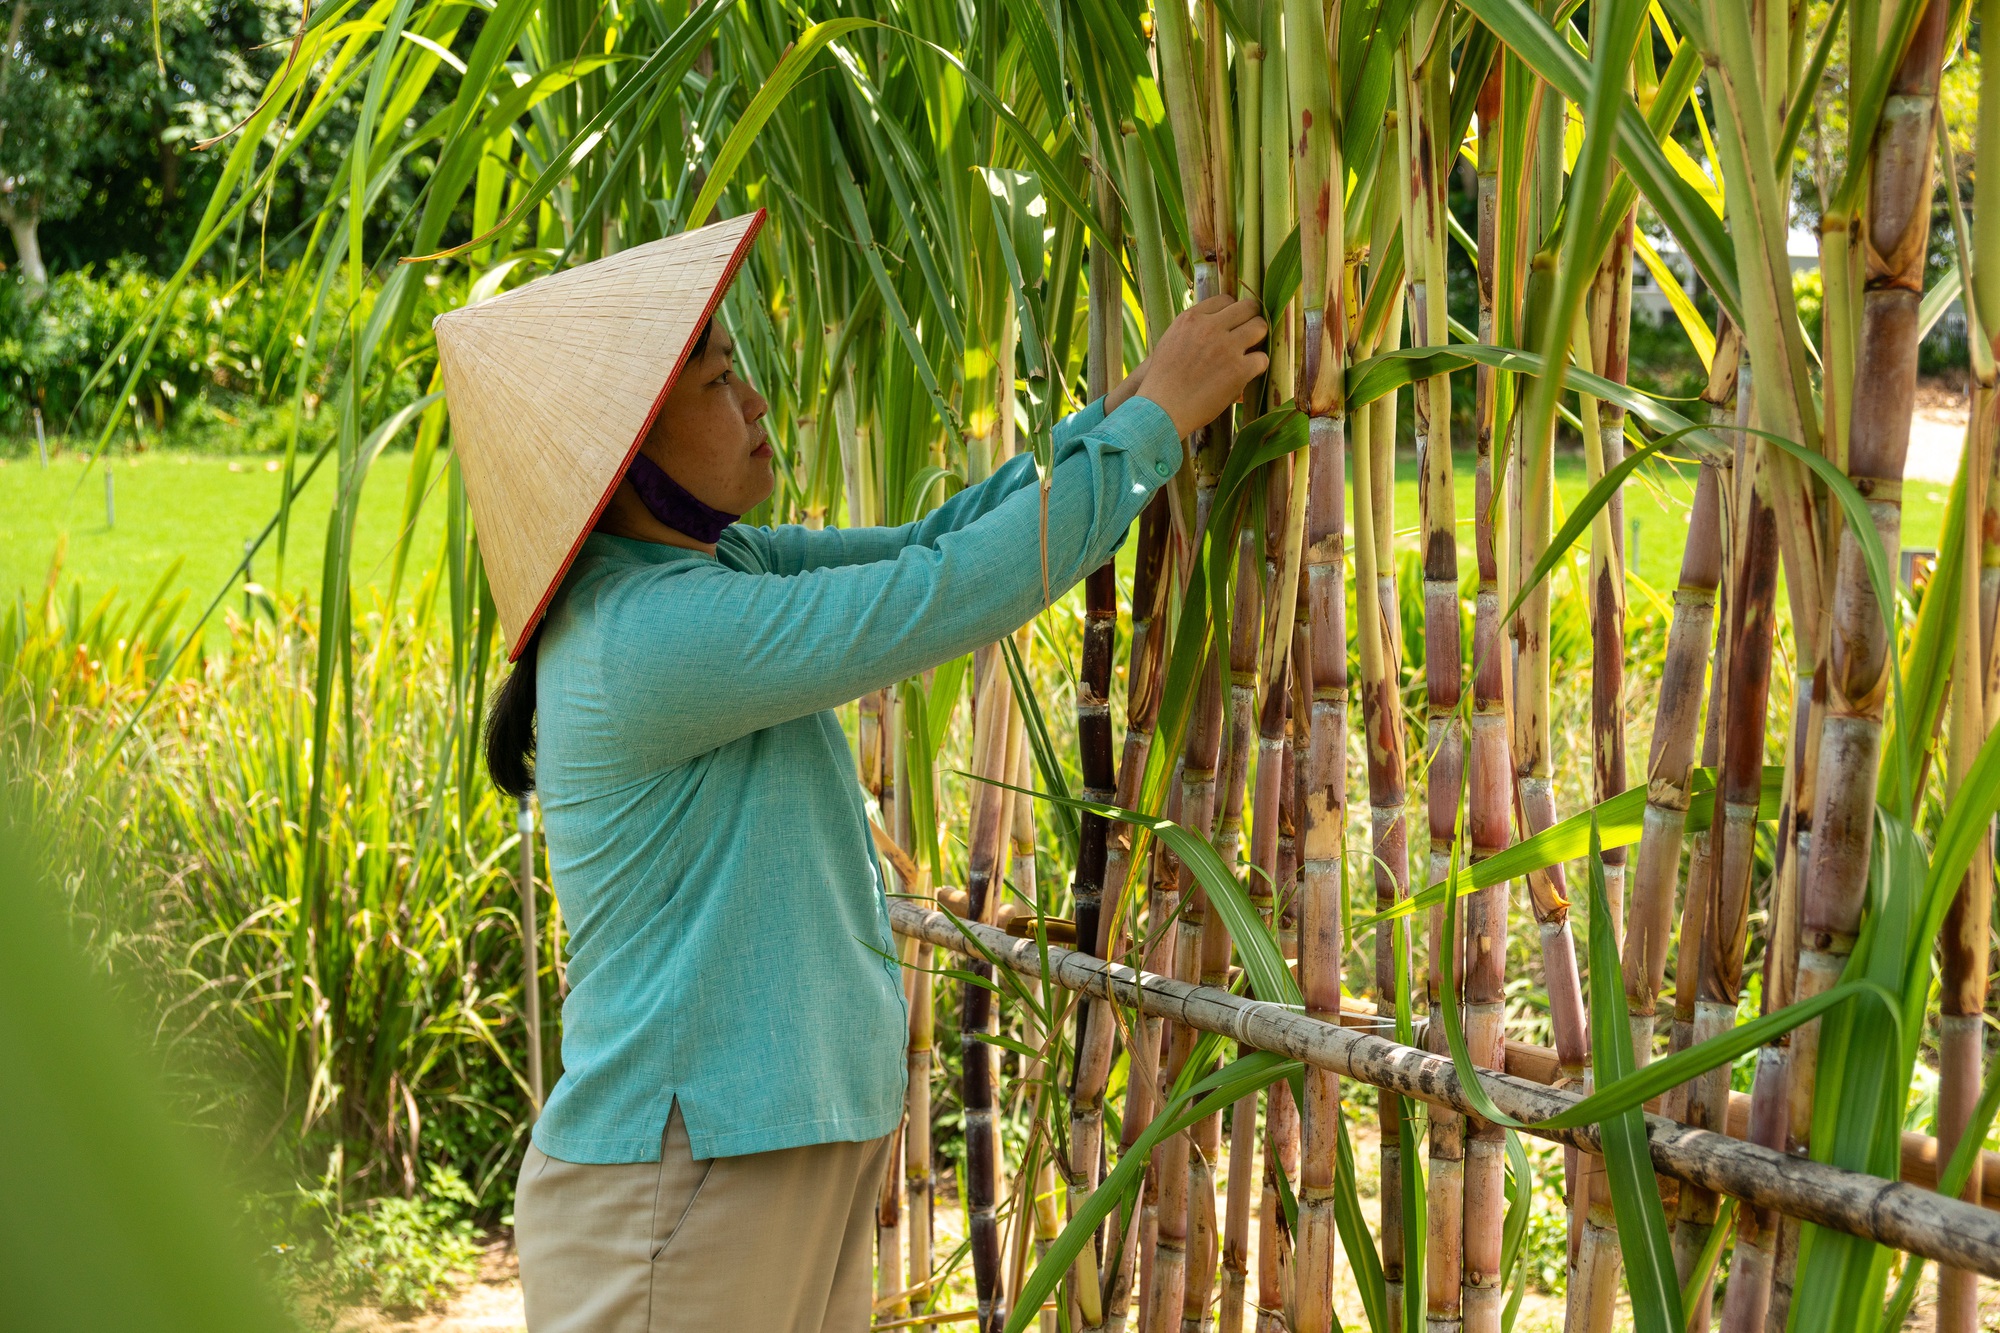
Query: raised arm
point(702, 656)
point(793, 548)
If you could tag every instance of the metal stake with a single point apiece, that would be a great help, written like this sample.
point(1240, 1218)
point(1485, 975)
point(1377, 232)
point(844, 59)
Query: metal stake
point(41, 441)
point(531, 952)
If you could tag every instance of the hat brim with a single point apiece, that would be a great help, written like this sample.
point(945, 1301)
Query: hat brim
point(553, 387)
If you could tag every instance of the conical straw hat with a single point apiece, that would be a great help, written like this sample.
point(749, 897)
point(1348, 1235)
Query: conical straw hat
point(551, 388)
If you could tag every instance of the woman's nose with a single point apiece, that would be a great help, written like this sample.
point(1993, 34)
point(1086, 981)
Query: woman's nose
point(755, 409)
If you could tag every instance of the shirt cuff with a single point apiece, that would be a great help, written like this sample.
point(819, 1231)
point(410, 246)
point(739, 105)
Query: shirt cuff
point(1080, 422)
point(1143, 429)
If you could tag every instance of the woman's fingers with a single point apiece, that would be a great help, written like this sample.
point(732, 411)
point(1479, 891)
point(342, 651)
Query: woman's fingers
point(1251, 332)
point(1242, 312)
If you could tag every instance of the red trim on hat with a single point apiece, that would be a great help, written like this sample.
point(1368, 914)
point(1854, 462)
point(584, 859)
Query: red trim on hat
point(714, 300)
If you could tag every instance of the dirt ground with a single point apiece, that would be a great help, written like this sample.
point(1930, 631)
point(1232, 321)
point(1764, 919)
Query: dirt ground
point(490, 1303)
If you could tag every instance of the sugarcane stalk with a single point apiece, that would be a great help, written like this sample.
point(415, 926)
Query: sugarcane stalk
point(1176, 1223)
point(1319, 180)
point(1895, 231)
point(1422, 76)
point(1965, 942)
point(1676, 726)
point(889, 1289)
point(1752, 624)
point(1131, 1251)
point(916, 1162)
point(1035, 1216)
point(1491, 767)
point(1611, 339)
point(1245, 625)
point(1149, 590)
point(1275, 1267)
point(1379, 639)
point(992, 726)
point(890, 1215)
point(1104, 368)
point(1243, 671)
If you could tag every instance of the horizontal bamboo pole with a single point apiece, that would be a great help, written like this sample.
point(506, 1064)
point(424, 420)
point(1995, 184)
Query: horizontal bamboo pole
point(1890, 1213)
point(1538, 1064)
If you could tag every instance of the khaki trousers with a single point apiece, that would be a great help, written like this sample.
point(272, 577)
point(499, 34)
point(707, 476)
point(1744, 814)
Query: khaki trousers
point(772, 1242)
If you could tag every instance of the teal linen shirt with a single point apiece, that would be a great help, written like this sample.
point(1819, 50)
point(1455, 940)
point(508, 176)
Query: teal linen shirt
point(729, 941)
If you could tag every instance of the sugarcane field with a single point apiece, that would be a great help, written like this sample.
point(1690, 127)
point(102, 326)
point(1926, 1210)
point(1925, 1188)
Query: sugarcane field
point(1089, 666)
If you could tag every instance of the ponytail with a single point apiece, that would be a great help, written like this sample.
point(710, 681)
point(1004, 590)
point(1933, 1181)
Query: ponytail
point(510, 726)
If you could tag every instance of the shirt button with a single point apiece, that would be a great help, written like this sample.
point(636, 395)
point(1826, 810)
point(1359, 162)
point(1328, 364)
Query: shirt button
point(1164, 468)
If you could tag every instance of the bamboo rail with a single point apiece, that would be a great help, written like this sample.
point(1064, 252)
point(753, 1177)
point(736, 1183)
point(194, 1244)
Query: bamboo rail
point(1893, 1213)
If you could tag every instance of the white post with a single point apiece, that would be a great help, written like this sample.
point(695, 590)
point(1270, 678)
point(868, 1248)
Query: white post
point(531, 960)
point(41, 441)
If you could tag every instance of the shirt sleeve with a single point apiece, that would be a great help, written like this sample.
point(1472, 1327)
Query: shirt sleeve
point(793, 548)
point(698, 655)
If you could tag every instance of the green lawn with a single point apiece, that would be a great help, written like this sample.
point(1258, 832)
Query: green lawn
point(204, 508)
point(1656, 500)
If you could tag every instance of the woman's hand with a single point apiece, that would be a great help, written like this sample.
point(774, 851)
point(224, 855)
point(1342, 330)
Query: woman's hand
point(1203, 361)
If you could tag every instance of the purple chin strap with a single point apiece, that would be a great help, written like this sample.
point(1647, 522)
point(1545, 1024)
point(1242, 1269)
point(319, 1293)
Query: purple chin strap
point(671, 503)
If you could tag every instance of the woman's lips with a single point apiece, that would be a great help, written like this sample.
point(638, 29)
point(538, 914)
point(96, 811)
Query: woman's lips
point(763, 450)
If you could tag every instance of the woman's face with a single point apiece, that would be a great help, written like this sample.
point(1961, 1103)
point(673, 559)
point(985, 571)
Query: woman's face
point(709, 435)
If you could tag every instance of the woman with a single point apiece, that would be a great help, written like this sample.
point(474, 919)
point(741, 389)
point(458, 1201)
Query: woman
point(733, 1037)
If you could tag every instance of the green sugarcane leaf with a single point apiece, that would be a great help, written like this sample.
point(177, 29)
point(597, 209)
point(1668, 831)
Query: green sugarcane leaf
point(1634, 1088)
point(857, 216)
point(1580, 518)
point(1693, 223)
point(1705, 1263)
point(1927, 658)
point(1281, 279)
point(1803, 102)
point(1241, 1077)
point(1271, 436)
point(1364, 97)
point(790, 69)
point(1271, 979)
point(1184, 656)
point(669, 64)
point(1362, 1254)
point(1384, 288)
point(1861, 529)
point(1038, 739)
point(1951, 1183)
point(1387, 372)
point(1514, 1231)
point(1621, 820)
point(1628, 1165)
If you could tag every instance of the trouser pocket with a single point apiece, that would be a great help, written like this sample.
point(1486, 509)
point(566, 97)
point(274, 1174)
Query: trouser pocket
point(682, 1178)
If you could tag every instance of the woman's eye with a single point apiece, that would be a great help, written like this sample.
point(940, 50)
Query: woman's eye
point(725, 377)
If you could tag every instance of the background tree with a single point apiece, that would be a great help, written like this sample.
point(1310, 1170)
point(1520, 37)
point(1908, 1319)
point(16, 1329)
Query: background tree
point(100, 113)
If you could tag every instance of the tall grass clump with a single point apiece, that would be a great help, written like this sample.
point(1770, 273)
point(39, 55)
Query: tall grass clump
point(342, 1055)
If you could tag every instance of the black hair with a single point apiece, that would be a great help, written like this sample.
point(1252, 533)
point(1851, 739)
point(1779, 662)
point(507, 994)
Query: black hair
point(510, 725)
point(510, 722)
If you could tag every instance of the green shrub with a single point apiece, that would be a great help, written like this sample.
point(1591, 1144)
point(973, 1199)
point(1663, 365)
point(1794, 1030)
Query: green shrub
point(404, 1254)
